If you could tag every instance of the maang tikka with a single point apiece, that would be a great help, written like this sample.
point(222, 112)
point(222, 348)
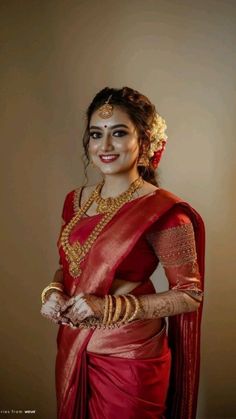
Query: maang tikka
point(106, 110)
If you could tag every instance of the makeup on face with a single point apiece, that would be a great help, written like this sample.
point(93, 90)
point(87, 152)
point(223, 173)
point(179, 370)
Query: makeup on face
point(114, 141)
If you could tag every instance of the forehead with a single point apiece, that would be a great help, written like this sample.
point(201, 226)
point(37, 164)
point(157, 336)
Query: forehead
point(118, 116)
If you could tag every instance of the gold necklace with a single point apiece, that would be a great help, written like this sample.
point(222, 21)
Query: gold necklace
point(76, 252)
point(111, 203)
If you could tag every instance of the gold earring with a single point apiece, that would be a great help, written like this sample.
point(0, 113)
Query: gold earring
point(143, 160)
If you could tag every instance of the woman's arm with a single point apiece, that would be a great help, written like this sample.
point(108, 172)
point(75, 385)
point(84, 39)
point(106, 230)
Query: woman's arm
point(67, 213)
point(164, 304)
point(58, 276)
point(174, 244)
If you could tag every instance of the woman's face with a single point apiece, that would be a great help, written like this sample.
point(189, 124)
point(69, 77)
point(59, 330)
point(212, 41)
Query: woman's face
point(113, 143)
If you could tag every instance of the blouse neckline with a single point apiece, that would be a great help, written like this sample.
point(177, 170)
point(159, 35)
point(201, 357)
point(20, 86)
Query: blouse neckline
point(126, 203)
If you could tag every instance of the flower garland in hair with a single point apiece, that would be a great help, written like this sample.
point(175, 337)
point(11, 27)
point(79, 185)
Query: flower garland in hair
point(158, 139)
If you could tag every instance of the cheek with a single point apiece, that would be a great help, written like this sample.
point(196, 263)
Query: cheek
point(133, 146)
point(92, 148)
point(130, 146)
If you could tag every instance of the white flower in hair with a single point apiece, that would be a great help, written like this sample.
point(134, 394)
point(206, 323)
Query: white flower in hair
point(158, 136)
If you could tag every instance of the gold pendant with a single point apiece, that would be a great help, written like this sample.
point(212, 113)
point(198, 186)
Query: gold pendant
point(77, 249)
point(104, 206)
point(74, 269)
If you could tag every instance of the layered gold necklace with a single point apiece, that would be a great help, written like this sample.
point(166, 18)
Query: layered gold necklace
point(76, 252)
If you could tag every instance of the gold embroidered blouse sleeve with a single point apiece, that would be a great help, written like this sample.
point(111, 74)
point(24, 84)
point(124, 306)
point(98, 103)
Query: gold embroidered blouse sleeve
point(175, 248)
point(176, 251)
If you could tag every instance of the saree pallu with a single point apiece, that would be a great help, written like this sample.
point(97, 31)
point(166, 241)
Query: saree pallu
point(107, 374)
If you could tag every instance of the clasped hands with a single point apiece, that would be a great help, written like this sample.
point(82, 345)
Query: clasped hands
point(61, 309)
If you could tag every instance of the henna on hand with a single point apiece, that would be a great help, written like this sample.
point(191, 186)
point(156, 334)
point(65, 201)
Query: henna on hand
point(168, 303)
point(51, 308)
point(82, 306)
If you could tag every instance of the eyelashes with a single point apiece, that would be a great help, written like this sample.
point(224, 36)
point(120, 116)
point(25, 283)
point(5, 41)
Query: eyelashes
point(92, 135)
point(96, 135)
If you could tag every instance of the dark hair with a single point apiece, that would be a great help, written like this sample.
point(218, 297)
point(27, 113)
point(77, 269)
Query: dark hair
point(140, 110)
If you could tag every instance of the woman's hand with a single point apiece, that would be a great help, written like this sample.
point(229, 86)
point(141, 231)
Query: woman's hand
point(82, 306)
point(51, 309)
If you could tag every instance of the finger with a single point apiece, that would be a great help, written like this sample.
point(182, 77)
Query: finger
point(71, 316)
point(67, 304)
point(84, 311)
point(71, 301)
point(64, 310)
point(63, 323)
point(77, 314)
point(79, 304)
point(63, 319)
point(48, 310)
point(49, 304)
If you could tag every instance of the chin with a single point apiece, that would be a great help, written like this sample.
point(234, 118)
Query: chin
point(114, 168)
point(110, 171)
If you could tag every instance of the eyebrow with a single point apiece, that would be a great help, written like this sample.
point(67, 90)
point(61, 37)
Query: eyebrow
point(113, 126)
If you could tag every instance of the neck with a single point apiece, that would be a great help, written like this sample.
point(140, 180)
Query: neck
point(118, 183)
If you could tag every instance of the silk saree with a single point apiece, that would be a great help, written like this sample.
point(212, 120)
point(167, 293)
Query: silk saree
point(135, 371)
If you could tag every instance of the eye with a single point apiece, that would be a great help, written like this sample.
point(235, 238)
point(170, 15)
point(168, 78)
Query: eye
point(94, 135)
point(120, 132)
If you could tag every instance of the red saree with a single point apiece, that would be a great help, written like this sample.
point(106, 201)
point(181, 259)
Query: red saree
point(126, 371)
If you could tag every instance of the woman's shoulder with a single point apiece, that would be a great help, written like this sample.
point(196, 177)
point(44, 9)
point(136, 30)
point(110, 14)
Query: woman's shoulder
point(77, 195)
point(169, 195)
point(180, 212)
point(176, 219)
point(177, 216)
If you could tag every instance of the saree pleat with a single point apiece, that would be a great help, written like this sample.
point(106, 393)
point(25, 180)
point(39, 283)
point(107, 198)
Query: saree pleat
point(70, 385)
point(89, 384)
point(117, 386)
point(81, 400)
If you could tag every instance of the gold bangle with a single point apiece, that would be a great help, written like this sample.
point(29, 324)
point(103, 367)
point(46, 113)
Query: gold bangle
point(110, 310)
point(117, 309)
point(57, 284)
point(46, 289)
point(127, 310)
point(137, 307)
point(106, 307)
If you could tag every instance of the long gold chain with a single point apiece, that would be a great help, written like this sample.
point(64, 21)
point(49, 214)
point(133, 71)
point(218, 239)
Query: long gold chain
point(76, 252)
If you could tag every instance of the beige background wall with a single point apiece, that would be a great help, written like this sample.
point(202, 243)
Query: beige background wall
point(55, 56)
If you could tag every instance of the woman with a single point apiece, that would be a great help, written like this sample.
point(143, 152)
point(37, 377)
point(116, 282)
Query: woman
point(115, 358)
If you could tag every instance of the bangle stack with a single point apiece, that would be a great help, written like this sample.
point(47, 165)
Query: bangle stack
point(112, 315)
point(52, 286)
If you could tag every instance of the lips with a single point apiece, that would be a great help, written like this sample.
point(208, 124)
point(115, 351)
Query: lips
point(107, 158)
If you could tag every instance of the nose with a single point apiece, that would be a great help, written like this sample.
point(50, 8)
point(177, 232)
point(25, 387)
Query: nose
point(106, 143)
